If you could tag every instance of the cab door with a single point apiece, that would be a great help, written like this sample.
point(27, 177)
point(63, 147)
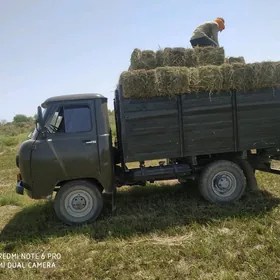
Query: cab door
point(70, 148)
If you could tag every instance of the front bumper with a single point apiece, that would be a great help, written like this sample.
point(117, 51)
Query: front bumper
point(20, 188)
point(19, 185)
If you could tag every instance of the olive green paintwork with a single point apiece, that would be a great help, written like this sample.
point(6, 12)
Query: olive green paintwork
point(52, 158)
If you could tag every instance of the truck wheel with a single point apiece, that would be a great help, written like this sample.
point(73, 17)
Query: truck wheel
point(222, 182)
point(78, 202)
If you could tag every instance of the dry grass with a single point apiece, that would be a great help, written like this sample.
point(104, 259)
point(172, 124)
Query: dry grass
point(173, 71)
point(170, 81)
point(174, 57)
point(160, 231)
point(178, 57)
point(143, 82)
point(209, 56)
point(237, 77)
point(143, 59)
point(232, 59)
point(210, 79)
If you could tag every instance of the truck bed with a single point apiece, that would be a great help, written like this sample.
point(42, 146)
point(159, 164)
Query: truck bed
point(197, 124)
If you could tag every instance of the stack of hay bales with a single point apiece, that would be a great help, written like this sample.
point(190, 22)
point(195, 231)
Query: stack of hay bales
point(175, 71)
point(180, 57)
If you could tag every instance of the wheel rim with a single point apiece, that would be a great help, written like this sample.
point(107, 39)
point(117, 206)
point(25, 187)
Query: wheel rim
point(78, 203)
point(224, 184)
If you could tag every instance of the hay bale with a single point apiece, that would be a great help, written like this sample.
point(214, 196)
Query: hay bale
point(210, 79)
point(227, 71)
point(237, 77)
point(239, 59)
point(264, 74)
point(209, 56)
point(277, 72)
point(138, 83)
point(194, 79)
point(172, 80)
point(174, 57)
point(159, 58)
point(191, 58)
point(134, 59)
point(178, 57)
point(142, 60)
point(242, 77)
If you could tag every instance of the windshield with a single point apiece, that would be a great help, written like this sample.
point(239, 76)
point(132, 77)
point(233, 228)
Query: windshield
point(52, 124)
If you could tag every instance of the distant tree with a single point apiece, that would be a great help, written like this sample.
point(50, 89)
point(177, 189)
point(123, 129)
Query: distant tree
point(35, 117)
point(2, 122)
point(21, 118)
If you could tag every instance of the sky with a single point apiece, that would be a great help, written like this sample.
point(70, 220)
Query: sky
point(52, 47)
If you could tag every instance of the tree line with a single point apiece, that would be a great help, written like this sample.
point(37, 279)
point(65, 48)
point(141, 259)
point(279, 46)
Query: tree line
point(21, 118)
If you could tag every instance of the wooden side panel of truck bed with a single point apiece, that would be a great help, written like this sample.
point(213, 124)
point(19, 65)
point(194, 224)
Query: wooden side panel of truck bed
point(258, 116)
point(198, 124)
point(150, 129)
point(208, 123)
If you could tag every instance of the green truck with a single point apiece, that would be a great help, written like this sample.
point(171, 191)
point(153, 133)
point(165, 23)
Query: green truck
point(218, 140)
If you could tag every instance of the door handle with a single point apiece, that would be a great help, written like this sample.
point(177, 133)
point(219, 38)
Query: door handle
point(90, 142)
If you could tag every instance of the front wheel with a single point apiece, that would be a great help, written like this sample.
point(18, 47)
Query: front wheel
point(222, 182)
point(78, 202)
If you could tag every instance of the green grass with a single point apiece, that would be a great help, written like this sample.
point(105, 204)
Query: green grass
point(11, 199)
point(160, 231)
point(14, 129)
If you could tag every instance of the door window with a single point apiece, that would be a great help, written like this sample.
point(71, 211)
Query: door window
point(70, 119)
point(77, 119)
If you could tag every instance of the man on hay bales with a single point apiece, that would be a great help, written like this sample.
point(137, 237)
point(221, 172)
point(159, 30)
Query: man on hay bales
point(206, 34)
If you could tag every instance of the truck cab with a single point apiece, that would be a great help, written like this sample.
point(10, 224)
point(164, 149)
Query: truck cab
point(70, 151)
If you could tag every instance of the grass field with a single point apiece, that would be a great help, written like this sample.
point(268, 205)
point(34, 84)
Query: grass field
point(161, 231)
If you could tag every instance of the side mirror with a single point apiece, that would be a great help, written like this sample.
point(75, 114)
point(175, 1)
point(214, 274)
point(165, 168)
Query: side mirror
point(40, 117)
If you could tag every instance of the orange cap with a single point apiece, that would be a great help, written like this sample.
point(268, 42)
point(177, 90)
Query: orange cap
point(221, 23)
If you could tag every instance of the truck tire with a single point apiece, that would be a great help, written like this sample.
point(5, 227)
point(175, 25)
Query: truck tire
point(222, 182)
point(78, 202)
point(249, 172)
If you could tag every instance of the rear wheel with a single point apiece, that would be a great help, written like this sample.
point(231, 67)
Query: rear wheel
point(78, 202)
point(222, 182)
